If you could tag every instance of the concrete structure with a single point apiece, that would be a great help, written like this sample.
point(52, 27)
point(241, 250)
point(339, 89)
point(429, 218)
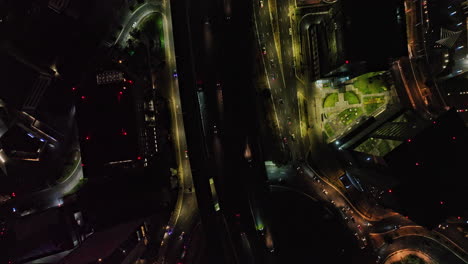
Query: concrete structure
point(320, 26)
point(417, 163)
point(107, 77)
point(123, 243)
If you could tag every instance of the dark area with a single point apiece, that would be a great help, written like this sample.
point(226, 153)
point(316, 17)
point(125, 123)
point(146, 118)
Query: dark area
point(306, 230)
point(374, 33)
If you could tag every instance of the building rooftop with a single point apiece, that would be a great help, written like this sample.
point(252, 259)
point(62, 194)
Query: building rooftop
point(101, 245)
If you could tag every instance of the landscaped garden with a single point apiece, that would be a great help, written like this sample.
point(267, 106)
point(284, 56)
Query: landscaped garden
point(371, 103)
point(349, 115)
point(377, 147)
point(370, 83)
point(330, 100)
point(329, 130)
point(351, 97)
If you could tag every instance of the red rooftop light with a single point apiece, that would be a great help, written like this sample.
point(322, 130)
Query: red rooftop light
point(83, 97)
point(13, 194)
point(347, 61)
point(138, 158)
point(120, 92)
point(417, 163)
point(390, 190)
point(409, 140)
point(441, 202)
point(454, 138)
point(87, 137)
point(73, 88)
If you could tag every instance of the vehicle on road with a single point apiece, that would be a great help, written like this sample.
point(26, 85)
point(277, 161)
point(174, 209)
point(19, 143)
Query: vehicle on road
point(261, 3)
point(324, 191)
point(182, 235)
point(264, 50)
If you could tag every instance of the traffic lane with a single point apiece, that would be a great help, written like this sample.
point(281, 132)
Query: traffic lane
point(355, 219)
point(363, 229)
point(135, 18)
point(455, 233)
point(391, 223)
point(272, 66)
point(324, 192)
point(187, 214)
point(174, 240)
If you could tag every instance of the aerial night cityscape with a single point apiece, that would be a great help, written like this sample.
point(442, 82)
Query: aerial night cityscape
point(233, 131)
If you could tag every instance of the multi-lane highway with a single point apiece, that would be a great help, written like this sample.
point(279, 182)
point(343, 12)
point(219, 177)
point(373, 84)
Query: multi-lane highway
point(272, 22)
point(273, 26)
point(185, 214)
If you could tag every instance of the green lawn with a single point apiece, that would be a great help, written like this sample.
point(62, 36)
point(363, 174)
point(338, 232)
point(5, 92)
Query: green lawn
point(329, 130)
point(370, 108)
point(371, 83)
point(371, 103)
point(377, 147)
point(349, 115)
point(351, 98)
point(330, 100)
